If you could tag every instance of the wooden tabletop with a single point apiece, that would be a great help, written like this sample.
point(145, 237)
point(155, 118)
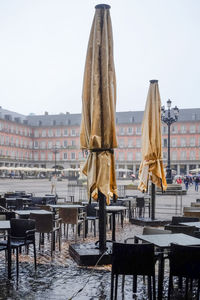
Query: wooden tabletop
point(164, 240)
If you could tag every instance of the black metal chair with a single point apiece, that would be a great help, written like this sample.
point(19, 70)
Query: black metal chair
point(189, 230)
point(5, 246)
point(184, 263)
point(140, 206)
point(133, 259)
point(176, 220)
point(22, 233)
point(91, 215)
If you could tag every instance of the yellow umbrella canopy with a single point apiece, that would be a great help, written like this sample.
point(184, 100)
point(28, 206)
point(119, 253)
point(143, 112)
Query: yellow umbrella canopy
point(152, 164)
point(98, 133)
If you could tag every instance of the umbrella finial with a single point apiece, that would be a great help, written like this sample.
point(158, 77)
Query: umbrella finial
point(153, 81)
point(102, 6)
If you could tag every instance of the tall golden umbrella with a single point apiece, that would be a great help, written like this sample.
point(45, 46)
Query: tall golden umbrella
point(98, 134)
point(152, 164)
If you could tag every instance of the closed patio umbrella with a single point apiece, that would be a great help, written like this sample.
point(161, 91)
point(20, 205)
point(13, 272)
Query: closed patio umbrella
point(98, 134)
point(152, 164)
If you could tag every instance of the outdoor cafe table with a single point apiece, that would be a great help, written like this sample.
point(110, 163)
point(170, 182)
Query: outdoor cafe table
point(163, 241)
point(113, 210)
point(193, 224)
point(5, 226)
point(26, 213)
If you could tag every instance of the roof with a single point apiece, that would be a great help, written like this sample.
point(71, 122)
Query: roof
point(126, 117)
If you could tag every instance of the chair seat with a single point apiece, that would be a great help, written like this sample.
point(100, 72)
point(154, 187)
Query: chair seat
point(92, 218)
point(3, 247)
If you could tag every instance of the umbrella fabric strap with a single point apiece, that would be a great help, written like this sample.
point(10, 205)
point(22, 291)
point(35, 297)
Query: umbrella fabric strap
point(102, 150)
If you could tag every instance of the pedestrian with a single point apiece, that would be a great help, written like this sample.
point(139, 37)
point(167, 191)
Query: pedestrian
point(196, 181)
point(186, 181)
point(53, 184)
point(179, 180)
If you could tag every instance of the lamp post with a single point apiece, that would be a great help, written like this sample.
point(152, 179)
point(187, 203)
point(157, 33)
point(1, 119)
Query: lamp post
point(55, 151)
point(169, 116)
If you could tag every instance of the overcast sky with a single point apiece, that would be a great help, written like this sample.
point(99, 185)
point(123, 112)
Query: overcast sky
point(43, 49)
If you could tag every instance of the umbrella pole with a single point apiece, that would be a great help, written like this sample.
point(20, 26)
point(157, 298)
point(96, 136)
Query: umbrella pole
point(102, 222)
point(153, 198)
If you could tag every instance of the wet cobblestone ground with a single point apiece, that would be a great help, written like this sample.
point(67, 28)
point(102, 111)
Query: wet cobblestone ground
point(60, 278)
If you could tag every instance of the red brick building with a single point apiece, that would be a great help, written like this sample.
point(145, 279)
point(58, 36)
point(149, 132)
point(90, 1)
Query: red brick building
point(30, 141)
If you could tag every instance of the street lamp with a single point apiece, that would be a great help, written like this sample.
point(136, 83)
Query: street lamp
point(169, 116)
point(55, 151)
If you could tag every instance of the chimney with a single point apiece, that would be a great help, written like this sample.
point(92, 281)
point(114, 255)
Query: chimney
point(46, 113)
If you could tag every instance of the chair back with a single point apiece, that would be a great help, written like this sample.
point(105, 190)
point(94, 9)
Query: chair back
point(185, 261)
point(189, 230)
point(90, 209)
point(68, 215)
point(133, 259)
point(176, 220)
point(152, 230)
point(3, 202)
point(140, 202)
point(19, 204)
point(20, 226)
point(43, 222)
point(7, 215)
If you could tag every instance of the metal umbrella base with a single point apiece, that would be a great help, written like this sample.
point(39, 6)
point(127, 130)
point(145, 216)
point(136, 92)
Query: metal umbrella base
point(89, 254)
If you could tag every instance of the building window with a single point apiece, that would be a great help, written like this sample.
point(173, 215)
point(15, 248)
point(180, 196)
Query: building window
point(192, 142)
point(50, 144)
point(130, 130)
point(42, 156)
point(36, 133)
point(183, 142)
point(129, 156)
point(183, 129)
point(121, 130)
point(35, 144)
point(73, 155)
point(58, 132)
point(138, 155)
point(7, 140)
point(164, 129)
point(164, 155)
point(138, 143)
point(121, 143)
point(73, 143)
point(138, 130)
point(80, 155)
point(57, 144)
point(50, 133)
point(50, 156)
point(65, 133)
point(174, 142)
point(165, 143)
point(192, 129)
point(65, 155)
point(42, 145)
point(35, 156)
point(65, 144)
point(174, 129)
point(183, 155)
point(73, 132)
point(43, 133)
point(192, 155)
point(121, 156)
point(130, 143)
point(174, 155)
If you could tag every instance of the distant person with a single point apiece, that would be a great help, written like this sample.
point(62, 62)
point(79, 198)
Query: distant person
point(196, 182)
point(53, 184)
point(179, 180)
point(186, 182)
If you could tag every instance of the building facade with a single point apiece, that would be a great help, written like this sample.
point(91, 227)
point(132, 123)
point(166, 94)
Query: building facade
point(46, 140)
